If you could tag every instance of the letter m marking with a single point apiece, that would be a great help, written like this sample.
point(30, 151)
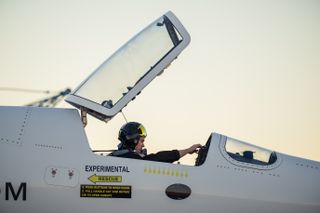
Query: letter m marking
point(22, 188)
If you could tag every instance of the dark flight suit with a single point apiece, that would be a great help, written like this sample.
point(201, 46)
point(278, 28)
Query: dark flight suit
point(163, 156)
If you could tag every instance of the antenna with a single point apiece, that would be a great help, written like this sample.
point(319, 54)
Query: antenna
point(124, 116)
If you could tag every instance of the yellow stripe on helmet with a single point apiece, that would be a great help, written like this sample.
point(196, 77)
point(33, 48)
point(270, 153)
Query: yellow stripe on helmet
point(142, 131)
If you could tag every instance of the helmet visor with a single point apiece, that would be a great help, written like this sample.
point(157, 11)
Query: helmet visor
point(142, 131)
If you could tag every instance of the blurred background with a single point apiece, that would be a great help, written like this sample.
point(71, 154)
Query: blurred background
point(251, 71)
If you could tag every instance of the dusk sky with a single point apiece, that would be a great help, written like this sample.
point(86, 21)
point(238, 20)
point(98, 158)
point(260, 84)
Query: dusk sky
point(251, 71)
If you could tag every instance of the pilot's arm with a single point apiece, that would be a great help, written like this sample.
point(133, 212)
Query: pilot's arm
point(164, 156)
point(171, 156)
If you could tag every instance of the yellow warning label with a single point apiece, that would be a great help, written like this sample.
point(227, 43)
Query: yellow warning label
point(105, 179)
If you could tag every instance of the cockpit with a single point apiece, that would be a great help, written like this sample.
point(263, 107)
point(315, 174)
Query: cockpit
point(248, 153)
point(122, 77)
point(238, 153)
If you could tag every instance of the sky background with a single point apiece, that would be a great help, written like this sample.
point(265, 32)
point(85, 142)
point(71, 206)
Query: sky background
point(251, 71)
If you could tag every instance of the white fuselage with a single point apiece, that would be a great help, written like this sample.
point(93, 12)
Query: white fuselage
point(46, 163)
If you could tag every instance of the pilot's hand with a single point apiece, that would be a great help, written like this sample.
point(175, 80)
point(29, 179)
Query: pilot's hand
point(194, 148)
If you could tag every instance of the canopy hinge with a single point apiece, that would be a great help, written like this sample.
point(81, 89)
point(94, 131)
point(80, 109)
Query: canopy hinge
point(84, 117)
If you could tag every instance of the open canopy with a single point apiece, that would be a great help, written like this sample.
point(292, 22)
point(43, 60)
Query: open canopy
point(122, 76)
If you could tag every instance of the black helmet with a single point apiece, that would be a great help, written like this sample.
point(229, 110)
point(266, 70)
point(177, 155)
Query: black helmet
point(130, 133)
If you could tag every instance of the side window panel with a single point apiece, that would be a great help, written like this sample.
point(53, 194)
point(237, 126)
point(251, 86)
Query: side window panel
point(248, 153)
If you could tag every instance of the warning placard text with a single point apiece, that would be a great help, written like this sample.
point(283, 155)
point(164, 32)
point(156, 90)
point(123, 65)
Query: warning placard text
point(105, 191)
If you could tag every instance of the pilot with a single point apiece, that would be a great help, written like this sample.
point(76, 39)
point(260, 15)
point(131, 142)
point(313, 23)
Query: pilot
point(132, 136)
